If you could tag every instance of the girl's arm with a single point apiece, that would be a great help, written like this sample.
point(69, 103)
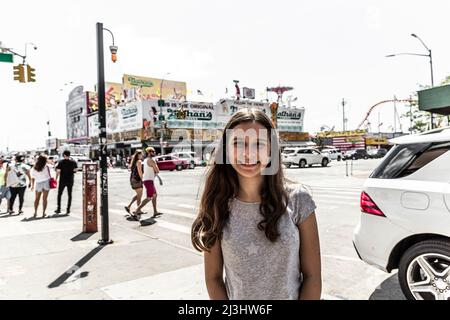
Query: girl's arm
point(139, 168)
point(214, 273)
point(310, 259)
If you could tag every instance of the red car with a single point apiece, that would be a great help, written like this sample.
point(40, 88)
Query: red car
point(171, 163)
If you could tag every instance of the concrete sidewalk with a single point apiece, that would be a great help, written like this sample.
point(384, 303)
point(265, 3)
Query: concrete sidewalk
point(51, 259)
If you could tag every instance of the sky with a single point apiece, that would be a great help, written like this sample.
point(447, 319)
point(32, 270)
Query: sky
point(326, 49)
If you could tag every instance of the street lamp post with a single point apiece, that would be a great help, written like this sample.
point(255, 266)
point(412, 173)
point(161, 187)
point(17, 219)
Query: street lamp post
point(430, 57)
point(161, 117)
point(102, 135)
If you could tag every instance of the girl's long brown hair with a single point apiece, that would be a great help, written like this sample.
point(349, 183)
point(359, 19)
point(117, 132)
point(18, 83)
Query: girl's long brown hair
point(222, 184)
point(134, 160)
point(40, 163)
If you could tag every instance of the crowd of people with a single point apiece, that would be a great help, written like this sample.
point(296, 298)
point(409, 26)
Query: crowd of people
point(16, 176)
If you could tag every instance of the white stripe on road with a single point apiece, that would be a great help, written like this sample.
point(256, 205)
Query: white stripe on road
point(341, 258)
point(187, 206)
point(173, 227)
point(327, 196)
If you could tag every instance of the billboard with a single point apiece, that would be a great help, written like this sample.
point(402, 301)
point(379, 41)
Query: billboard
point(290, 119)
point(197, 114)
point(225, 108)
point(114, 96)
point(76, 115)
point(120, 119)
point(151, 88)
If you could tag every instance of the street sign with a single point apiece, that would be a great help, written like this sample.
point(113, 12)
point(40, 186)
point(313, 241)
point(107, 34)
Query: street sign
point(6, 57)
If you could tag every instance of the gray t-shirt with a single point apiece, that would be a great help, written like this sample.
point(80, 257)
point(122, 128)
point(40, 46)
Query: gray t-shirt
point(255, 267)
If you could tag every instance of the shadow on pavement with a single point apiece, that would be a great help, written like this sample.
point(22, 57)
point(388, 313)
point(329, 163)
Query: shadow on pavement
point(53, 216)
point(67, 274)
point(6, 215)
point(389, 289)
point(82, 236)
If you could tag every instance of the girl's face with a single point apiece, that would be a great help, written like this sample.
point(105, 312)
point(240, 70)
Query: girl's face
point(248, 148)
point(140, 156)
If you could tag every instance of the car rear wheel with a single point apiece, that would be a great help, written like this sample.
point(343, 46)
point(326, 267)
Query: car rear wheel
point(324, 162)
point(288, 165)
point(339, 158)
point(179, 167)
point(424, 271)
point(302, 163)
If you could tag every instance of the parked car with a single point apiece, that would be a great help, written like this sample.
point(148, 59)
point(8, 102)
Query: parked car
point(190, 157)
point(377, 153)
point(405, 215)
point(333, 154)
point(80, 160)
point(170, 162)
point(356, 154)
point(303, 157)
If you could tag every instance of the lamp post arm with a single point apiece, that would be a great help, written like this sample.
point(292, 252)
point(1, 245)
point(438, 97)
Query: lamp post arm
point(110, 34)
point(407, 54)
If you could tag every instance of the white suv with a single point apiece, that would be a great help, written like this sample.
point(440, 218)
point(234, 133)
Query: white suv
point(405, 219)
point(303, 157)
point(333, 154)
point(190, 157)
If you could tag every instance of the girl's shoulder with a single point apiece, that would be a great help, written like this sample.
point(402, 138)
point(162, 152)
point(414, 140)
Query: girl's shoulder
point(298, 190)
point(300, 202)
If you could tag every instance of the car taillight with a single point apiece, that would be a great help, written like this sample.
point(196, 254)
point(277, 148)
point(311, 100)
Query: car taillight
point(369, 206)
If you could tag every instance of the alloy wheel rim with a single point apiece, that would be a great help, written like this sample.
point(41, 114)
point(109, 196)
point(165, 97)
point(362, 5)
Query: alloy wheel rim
point(428, 277)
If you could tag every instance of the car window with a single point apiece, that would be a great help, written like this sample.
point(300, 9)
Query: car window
point(315, 152)
point(398, 159)
point(288, 151)
point(424, 158)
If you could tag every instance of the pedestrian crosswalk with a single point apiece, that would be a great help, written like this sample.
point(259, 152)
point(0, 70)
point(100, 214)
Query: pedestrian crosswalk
point(177, 218)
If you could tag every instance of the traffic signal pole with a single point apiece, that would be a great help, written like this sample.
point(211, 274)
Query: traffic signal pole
point(102, 138)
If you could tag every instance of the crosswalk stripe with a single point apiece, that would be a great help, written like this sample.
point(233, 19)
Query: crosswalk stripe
point(187, 206)
point(336, 192)
point(173, 226)
point(328, 196)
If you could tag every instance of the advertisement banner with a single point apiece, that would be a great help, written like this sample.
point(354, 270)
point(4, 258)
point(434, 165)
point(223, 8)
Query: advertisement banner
point(225, 108)
point(114, 96)
point(76, 113)
point(290, 119)
point(196, 114)
point(120, 119)
point(150, 88)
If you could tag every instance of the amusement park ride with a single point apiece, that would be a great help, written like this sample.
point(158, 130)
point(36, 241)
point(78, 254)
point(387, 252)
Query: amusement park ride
point(366, 123)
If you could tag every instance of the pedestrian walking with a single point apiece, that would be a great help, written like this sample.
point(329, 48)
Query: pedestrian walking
point(4, 189)
point(151, 170)
point(17, 176)
point(65, 171)
point(136, 176)
point(40, 183)
point(252, 222)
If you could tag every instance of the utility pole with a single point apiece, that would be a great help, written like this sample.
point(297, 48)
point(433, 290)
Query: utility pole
point(395, 113)
point(102, 135)
point(343, 114)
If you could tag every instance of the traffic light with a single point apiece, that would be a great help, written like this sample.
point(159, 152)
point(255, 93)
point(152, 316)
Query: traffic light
point(19, 73)
point(31, 74)
point(160, 103)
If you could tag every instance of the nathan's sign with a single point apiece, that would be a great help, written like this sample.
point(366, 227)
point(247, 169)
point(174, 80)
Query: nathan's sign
point(153, 88)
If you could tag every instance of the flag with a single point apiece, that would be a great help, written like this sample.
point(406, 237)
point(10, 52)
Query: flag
point(199, 92)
